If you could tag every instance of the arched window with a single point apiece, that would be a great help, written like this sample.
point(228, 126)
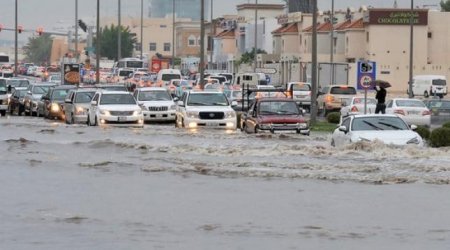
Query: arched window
point(191, 40)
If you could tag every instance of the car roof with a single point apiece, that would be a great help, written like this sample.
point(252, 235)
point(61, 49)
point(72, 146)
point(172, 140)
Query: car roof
point(64, 87)
point(278, 99)
point(152, 89)
point(86, 90)
point(195, 91)
point(375, 115)
point(114, 92)
point(406, 99)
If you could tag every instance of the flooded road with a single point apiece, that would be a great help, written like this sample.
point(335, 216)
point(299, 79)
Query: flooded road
point(78, 187)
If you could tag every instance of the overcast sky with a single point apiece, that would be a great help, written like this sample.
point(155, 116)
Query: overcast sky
point(46, 13)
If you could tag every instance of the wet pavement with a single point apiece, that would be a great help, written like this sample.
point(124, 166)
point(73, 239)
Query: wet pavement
point(78, 187)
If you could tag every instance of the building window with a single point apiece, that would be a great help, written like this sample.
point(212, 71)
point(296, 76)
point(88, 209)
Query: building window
point(152, 46)
point(191, 40)
point(430, 35)
point(138, 46)
point(367, 37)
point(163, 26)
point(166, 46)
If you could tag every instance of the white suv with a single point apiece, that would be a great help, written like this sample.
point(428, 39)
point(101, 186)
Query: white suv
point(156, 103)
point(205, 109)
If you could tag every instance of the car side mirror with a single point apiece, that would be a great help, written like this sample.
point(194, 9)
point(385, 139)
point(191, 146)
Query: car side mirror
point(29, 92)
point(180, 103)
point(175, 99)
point(234, 103)
point(94, 103)
point(68, 101)
point(413, 127)
point(343, 129)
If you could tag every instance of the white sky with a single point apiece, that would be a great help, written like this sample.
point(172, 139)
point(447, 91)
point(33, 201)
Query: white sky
point(46, 13)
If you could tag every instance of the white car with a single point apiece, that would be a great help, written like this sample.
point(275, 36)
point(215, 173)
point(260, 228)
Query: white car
point(207, 108)
point(413, 111)
point(301, 93)
point(355, 106)
point(156, 103)
point(77, 104)
point(114, 107)
point(389, 129)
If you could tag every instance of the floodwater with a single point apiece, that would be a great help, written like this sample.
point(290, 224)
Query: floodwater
point(79, 187)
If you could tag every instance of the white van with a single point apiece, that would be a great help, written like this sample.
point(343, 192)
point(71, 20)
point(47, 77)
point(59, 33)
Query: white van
point(250, 79)
point(429, 85)
point(166, 75)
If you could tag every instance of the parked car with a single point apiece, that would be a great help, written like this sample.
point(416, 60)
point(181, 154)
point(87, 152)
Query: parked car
point(16, 104)
point(114, 108)
point(77, 104)
point(274, 114)
point(429, 85)
point(34, 95)
point(331, 97)
point(3, 97)
point(440, 110)
point(156, 103)
point(355, 106)
point(389, 129)
point(206, 108)
point(301, 93)
point(413, 111)
point(52, 105)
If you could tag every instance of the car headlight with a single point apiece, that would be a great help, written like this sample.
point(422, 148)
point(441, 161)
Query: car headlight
point(54, 107)
point(230, 114)
point(173, 107)
point(363, 139)
point(191, 114)
point(143, 107)
point(80, 111)
point(302, 125)
point(137, 112)
point(105, 112)
point(414, 140)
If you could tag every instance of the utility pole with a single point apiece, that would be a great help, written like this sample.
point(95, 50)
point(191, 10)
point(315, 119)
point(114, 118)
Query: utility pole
point(173, 34)
point(77, 56)
point(314, 66)
point(97, 46)
point(411, 51)
point(142, 27)
point(332, 43)
point(202, 44)
point(211, 32)
point(119, 32)
point(15, 43)
point(256, 35)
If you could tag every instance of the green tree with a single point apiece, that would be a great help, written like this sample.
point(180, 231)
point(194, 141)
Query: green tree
point(38, 49)
point(249, 56)
point(445, 6)
point(108, 42)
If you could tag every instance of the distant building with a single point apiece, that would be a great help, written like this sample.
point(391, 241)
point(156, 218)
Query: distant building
point(183, 9)
point(304, 6)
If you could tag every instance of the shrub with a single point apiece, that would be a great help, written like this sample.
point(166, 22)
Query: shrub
point(424, 132)
point(446, 125)
point(440, 137)
point(334, 117)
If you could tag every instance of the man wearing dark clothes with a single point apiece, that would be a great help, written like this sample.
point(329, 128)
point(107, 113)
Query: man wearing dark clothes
point(381, 98)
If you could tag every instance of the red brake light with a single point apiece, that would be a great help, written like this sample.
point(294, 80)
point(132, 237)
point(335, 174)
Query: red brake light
point(399, 112)
point(426, 112)
point(354, 109)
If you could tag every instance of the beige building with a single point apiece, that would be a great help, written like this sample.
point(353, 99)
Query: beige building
point(187, 42)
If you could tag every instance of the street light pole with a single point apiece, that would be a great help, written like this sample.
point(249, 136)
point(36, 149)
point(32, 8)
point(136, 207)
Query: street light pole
point(411, 51)
point(119, 32)
point(211, 32)
point(332, 43)
point(173, 34)
point(76, 30)
point(256, 36)
point(202, 43)
point(15, 43)
point(313, 109)
point(142, 27)
point(97, 46)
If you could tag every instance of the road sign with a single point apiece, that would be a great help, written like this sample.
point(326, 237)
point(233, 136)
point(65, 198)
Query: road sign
point(266, 70)
point(366, 73)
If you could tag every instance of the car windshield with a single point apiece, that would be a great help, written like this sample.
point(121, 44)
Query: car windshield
point(378, 123)
point(221, 79)
point(125, 72)
point(343, 90)
point(278, 108)
point(40, 90)
point(237, 94)
point(440, 104)
point(22, 92)
point(115, 88)
point(168, 77)
point(301, 87)
point(207, 99)
point(439, 82)
point(84, 97)
point(112, 99)
point(154, 96)
point(361, 101)
point(410, 103)
point(59, 94)
point(18, 83)
point(228, 77)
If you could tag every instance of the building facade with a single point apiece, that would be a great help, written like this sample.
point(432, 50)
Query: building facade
point(183, 9)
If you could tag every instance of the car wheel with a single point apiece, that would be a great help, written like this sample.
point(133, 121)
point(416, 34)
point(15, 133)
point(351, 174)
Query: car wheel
point(95, 121)
point(298, 131)
point(72, 120)
point(88, 122)
point(256, 130)
point(426, 95)
point(3, 112)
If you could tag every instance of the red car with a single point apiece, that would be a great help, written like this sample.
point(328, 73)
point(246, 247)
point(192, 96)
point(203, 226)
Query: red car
point(274, 114)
